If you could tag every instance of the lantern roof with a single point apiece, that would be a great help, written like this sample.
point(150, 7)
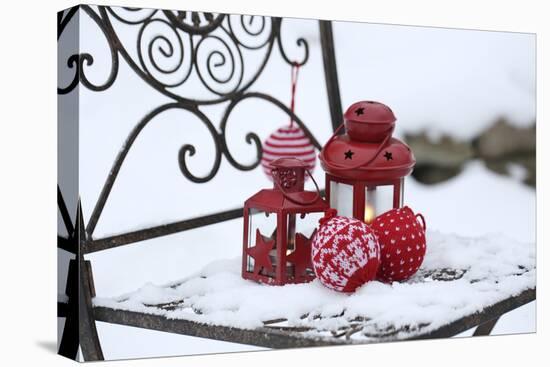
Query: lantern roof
point(288, 162)
point(370, 111)
point(367, 151)
point(273, 200)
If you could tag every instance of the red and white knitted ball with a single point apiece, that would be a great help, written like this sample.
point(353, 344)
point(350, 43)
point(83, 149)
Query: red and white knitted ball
point(345, 254)
point(285, 142)
point(402, 241)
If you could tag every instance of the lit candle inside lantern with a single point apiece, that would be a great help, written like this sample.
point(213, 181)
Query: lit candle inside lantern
point(369, 213)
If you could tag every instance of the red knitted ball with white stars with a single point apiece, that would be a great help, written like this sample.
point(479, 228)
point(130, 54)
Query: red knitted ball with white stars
point(402, 239)
point(345, 253)
point(288, 142)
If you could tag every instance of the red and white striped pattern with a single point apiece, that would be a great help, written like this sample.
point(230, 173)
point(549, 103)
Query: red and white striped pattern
point(288, 142)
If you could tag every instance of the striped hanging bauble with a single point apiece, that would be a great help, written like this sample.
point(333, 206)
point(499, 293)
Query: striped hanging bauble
point(285, 142)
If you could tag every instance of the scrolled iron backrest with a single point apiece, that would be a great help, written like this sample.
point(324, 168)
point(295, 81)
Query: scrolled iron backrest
point(184, 38)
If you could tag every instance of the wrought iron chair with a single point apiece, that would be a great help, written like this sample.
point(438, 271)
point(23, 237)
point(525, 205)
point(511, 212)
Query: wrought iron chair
point(77, 308)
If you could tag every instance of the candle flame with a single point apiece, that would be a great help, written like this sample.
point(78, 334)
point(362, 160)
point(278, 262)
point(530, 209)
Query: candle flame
point(369, 214)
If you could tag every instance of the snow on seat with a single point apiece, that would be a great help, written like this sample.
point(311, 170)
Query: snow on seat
point(460, 277)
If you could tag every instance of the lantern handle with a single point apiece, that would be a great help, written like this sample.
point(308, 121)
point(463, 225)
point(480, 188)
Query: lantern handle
point(340, 167)
point(295, 200)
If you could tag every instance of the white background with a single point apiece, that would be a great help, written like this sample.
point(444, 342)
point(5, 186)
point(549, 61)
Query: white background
point(29, 174)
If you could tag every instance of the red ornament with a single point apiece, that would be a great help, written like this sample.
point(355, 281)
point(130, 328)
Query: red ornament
point(288, 142)
point(345, 253)
point(402, 241)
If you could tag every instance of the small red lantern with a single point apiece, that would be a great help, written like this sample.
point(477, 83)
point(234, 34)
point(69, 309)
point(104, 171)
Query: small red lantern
point(277, 245)
point(365, 167)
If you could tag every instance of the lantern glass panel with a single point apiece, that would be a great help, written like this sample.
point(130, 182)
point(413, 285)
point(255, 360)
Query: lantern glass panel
point(378, 200)
point(266, 223)
point(304, 224)
point(301, 223)
point(341, 198)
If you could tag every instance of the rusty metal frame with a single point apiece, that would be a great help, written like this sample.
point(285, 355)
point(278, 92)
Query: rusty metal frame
point(272, 337)
point(80, 327)
point(198, 28)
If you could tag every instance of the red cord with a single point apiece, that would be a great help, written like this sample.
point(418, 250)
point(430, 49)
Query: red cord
point(294, 80)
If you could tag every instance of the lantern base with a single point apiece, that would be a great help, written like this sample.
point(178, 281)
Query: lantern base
point(271, 280)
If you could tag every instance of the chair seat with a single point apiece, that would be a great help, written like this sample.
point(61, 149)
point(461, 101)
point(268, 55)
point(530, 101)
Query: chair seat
point(463, 282)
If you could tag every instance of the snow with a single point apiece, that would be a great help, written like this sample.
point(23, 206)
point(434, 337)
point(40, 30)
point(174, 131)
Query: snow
point(475, 203)
point(409, 77)
point(217, 295)
point(462, 205)
point(446, 81)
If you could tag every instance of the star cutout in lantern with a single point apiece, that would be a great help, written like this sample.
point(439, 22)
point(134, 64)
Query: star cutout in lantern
point(348, 154)
point(360, 111)
point(301, 257)
point(388, 156)
point(260, 252)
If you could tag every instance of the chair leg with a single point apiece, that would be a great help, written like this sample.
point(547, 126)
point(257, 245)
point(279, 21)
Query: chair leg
point(87, 331)
point(485, 328)
point(68, 347)
point(89, 339)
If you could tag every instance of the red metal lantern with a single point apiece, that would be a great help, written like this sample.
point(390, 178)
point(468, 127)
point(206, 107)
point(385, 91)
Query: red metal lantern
point(365, 167)
point(279, 224)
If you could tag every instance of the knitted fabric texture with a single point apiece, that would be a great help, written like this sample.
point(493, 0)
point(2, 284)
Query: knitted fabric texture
point(402, 241)
point(345, 254)
point(288, 142)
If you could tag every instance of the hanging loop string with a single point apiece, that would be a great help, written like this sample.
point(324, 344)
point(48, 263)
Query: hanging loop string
point(294, 79)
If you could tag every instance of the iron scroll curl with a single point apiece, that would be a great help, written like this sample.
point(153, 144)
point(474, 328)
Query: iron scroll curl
point(175, 50)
